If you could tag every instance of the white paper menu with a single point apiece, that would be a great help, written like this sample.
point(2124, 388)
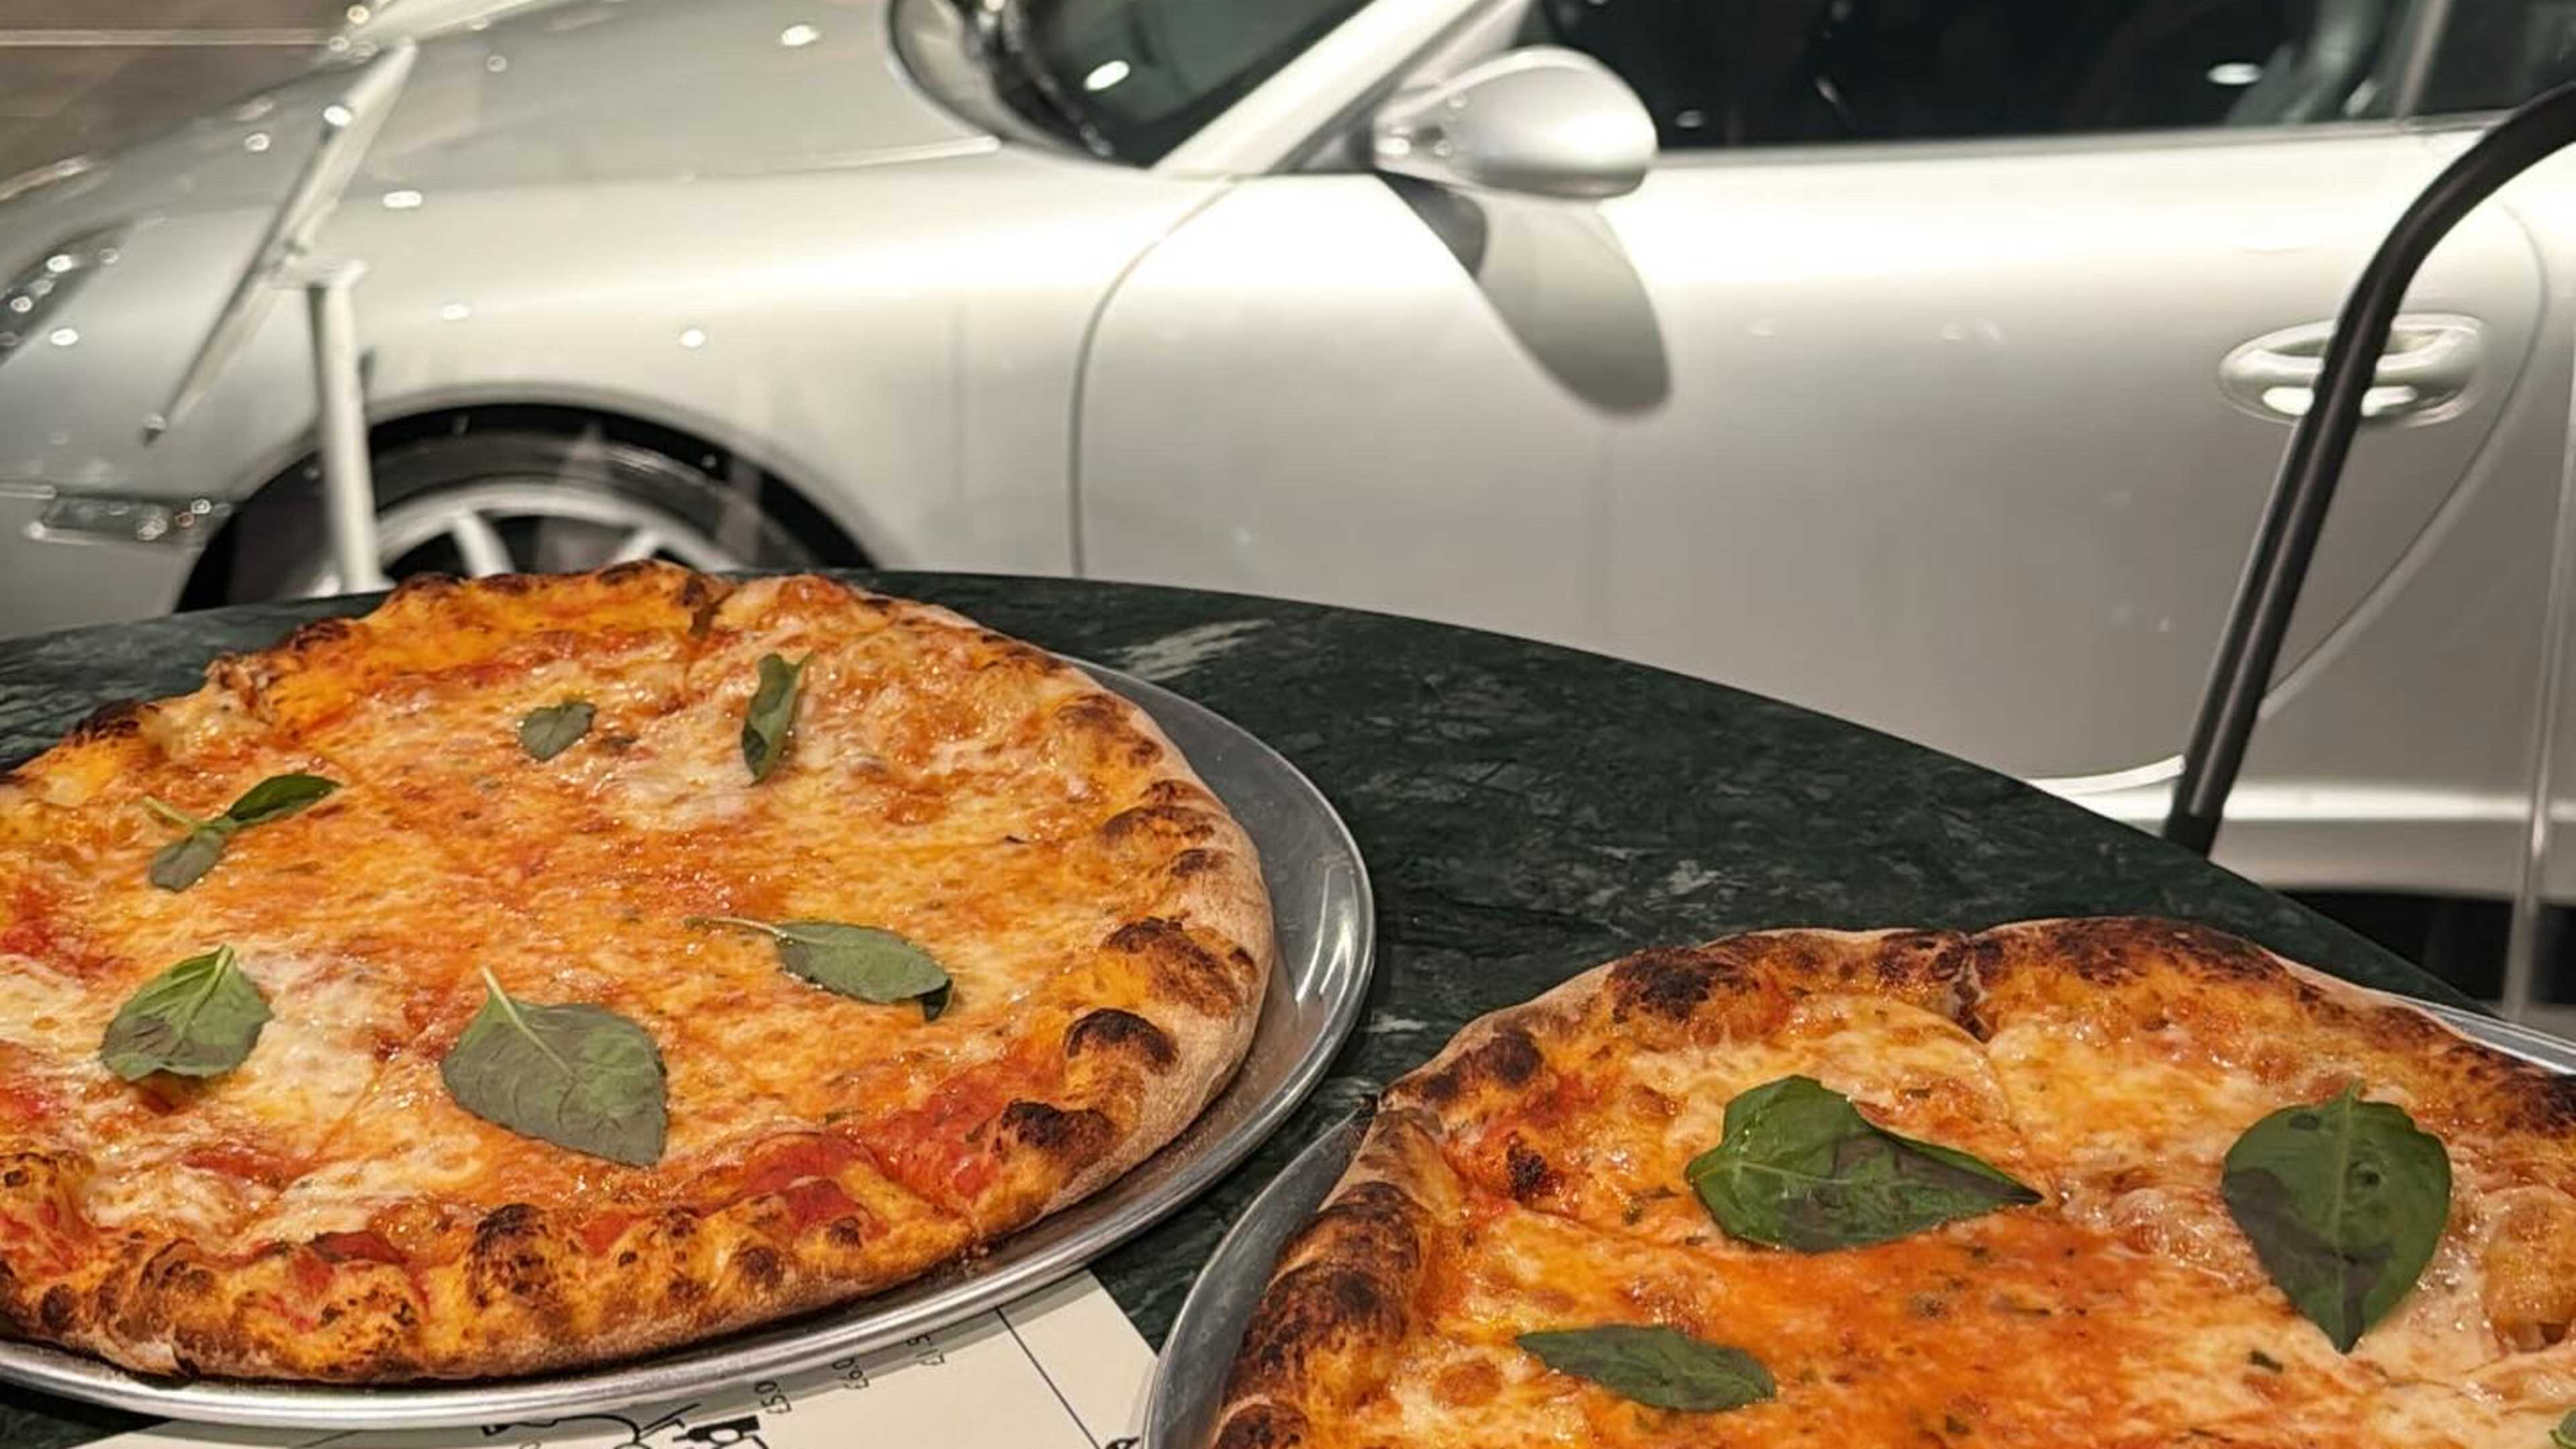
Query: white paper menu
point(1059, 1369)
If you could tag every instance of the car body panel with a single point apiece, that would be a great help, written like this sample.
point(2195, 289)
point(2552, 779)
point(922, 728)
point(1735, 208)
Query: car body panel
point(604, 90)
point(2396, 755)
point(896, 333)
point(1981, 488)
point(189, 210)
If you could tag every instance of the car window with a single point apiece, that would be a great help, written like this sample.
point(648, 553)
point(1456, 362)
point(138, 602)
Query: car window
point(2499, 53)
point(1141, 75)
point(1771, 72)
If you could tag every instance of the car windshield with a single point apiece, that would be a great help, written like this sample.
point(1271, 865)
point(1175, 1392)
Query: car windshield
point(1135, 77)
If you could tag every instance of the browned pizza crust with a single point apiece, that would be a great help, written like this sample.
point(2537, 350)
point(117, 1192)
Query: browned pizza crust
point(1073, 1090)
point(1357, 1285)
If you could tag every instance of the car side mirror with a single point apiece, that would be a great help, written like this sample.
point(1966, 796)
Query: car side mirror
point(1543, 120)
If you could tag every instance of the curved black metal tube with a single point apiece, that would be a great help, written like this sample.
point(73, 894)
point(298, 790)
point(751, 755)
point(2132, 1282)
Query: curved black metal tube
point(2250, 644)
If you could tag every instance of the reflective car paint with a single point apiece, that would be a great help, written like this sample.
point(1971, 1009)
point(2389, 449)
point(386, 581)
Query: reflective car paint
point(1779, 417)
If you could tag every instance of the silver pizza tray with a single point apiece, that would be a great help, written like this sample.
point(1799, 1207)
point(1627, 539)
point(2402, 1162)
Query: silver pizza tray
point(1319, 897)
point(1189, 1376)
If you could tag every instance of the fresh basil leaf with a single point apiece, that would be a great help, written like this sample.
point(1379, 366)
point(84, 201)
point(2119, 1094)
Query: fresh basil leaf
point(200, 1018)
point(176, 866)
point(865, 962)
point(2344, 1202)
point(861, 961)
point(771, 718)
point(1663, 1367)
point(277, 797)
point(2564, 1436)
point(576, 1075)
point(548, 732)
point(1800, 1167)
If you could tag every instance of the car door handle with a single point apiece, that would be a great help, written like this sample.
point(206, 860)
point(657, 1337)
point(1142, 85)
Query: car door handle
point(2430, 362)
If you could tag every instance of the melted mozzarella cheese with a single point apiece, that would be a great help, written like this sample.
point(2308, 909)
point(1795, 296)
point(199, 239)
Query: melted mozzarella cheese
point(2018, 1329)
point(139, 1182)
point(321, 1047)
point(43, 1009)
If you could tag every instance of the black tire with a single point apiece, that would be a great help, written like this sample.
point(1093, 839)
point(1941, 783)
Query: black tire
point(279, 539)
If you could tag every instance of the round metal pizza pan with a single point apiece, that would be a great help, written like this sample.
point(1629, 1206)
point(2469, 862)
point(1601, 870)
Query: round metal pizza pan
point(1189, 1375)
point(1319, 896)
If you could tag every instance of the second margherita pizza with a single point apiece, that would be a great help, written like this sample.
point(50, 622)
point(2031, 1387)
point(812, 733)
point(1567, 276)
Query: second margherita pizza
point(2115, 1183)
point(541, 970)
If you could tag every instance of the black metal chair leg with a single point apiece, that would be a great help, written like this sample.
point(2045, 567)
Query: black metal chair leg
point(2250, 644)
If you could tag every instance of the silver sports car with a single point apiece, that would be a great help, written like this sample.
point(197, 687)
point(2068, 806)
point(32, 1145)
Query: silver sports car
point(1925, 361)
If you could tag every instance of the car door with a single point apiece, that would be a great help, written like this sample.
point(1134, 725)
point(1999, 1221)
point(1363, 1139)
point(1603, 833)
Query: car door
point(1934, 377)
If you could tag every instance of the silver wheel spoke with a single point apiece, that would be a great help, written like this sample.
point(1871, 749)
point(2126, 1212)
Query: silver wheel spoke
point(479, 544)
point(573, 527)
point(644, 542)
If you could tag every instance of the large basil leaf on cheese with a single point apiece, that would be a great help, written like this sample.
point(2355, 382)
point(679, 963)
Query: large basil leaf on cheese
point(1663, 1367)
point(200, 1018)
point(2344, 1202)
point(865, 963)
point(575, 1075)
point(1800, 1167)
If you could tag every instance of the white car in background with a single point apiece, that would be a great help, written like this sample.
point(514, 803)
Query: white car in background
point(1932, 374)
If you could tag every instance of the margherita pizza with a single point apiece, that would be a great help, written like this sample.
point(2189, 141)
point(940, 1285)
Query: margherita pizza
point(2123, 1184)
point(542, 970)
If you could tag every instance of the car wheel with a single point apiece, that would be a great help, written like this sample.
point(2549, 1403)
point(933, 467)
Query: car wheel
point(519, 502)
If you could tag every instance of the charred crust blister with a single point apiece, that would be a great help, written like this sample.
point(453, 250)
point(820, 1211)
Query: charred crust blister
point(117, 720)
point(54, 1310)
point(1667, 983)
point(700, 596)
point(1175, 823)
point(1923, 962)
point(1195, 861)
point(1003, 651)
point(1370, 1222)
point(1177, 792)
point(620, 573)
point(513, 1257)
point(760, 1267)
point(1184, 969)
point(1526, 1172)
point(176, 1275)
point(2112, 950)
point(1263, 1426)
point(1508, 1058)
point(1122, 1032)
point(510, 1220)
point(1071, 1140)
point(1325, 1306)
point(1090, 712)
point(322, 633)
point(1109, 726)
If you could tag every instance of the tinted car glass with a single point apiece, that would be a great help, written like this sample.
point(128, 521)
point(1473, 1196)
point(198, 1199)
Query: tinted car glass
point(1757, 72)
point(2499, 53)
point(1138, 76)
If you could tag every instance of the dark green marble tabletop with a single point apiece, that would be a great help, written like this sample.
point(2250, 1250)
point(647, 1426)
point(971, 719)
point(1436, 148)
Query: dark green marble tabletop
point(1526, 811)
